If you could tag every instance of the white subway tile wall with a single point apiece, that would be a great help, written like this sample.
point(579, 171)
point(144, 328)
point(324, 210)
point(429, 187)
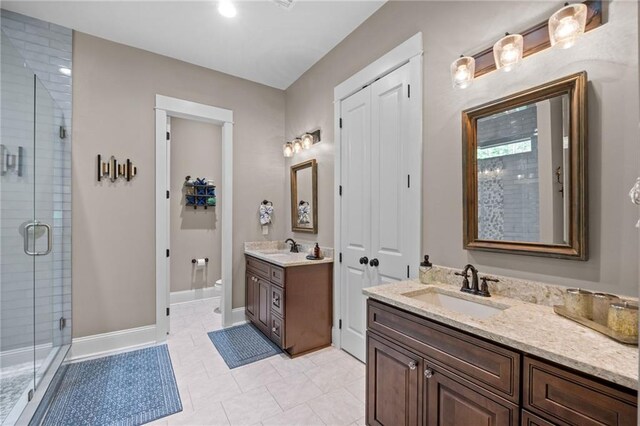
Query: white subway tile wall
point(31, 45)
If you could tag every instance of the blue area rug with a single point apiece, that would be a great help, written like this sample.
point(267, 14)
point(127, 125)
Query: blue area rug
point(132, 388)
point(242, 344)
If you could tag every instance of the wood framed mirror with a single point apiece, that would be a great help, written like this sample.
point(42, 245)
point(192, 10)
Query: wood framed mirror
point(304, 197)
point(524, 172)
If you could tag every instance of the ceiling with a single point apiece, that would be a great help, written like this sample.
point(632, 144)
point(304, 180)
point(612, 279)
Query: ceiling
point(264, 43)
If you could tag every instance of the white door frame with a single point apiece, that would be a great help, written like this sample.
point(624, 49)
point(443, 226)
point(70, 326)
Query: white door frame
point(173, 107)
point(409, 52)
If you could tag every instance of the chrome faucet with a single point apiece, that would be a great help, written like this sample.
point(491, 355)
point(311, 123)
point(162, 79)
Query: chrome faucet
point(475, 288)
point(294, 246)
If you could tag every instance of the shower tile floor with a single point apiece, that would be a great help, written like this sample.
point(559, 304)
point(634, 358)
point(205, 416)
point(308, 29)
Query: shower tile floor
point(326, 387)
point(14, 380)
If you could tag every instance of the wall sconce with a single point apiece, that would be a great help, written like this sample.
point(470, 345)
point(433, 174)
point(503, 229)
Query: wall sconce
point(306, 141)
point(562, 29)
point(567, 24)
point(462, 71)
point(507, 52)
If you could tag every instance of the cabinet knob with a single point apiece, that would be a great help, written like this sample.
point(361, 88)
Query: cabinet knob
point(412, 365)
point(274, 329)
point(428, 373)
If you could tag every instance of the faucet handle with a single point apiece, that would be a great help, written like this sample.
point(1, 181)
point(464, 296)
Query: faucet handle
point(465, 282)
point(484, 287)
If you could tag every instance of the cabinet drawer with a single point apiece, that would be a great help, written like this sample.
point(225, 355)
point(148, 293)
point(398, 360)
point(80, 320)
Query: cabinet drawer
point(492, 367)
point(277, 275)
point(569, 399)
point(277, 330)
point(258, 267)
point(277, 301)
point(530, 419)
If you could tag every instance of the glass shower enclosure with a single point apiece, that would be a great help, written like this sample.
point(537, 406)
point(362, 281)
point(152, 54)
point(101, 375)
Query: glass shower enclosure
point(35, 263)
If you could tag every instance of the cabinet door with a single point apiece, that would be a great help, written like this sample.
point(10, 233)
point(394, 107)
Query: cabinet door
point(453, 401)
point(264, 305)
point(394, 384)
point(250, 295)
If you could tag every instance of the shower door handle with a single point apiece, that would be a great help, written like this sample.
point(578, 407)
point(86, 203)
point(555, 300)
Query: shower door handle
point(34, 225)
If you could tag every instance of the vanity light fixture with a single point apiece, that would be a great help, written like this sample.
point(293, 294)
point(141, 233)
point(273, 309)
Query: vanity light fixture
point(227, 9)
point(507, 52)
point(567, 24)
point(462, 71)
point(304, 142)
point(287, 149)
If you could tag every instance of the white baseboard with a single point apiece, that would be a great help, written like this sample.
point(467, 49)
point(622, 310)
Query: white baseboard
point(24, 355)
point(238, 316)
point(195, 294)
point(116, 341)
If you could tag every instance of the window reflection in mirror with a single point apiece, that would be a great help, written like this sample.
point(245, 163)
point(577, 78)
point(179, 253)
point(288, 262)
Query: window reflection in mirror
point(522, 164)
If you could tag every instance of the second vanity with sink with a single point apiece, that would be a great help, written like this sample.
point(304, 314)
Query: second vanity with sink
point(289, 297)
point(438, 356)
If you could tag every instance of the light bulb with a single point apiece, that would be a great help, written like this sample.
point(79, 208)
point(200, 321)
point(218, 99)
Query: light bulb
point(463, 72)
point(307, 141)
point(297, 146)
point(227, 9)
point(287, 149)
point(567, 24)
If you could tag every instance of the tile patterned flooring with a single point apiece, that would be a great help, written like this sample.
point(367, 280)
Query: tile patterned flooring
point(326, 387)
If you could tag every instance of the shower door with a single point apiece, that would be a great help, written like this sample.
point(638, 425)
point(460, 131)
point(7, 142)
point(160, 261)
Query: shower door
point(31, 296)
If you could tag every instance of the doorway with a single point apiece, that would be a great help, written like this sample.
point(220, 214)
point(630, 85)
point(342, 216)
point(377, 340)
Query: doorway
point(379, 171)
point(166, 108)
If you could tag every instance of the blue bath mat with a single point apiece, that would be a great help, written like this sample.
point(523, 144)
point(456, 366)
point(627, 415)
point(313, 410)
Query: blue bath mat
point(132, 388)
point(242, 344)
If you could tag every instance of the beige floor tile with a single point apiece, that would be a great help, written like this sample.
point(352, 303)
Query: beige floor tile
point(251, 407)
point(287, 366)
point(337, 408)
point(329, 377)
point(294, 391)
point(205, 390)
point(255, 375)
point(357, 389)
point(212, 415)
point(326, 355)
point(302, 415)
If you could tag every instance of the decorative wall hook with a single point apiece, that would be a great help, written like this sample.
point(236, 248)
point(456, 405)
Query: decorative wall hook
point(113, 170)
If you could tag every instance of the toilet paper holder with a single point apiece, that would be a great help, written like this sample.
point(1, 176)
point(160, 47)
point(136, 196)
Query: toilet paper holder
point(206, 259)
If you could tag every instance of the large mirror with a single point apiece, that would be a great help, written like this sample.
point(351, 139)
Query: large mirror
point(304, 197)
point(524, 172)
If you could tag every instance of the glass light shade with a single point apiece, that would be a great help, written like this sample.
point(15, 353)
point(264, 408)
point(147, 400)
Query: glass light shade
point(297, 145)
point(287, 149)
point(463, 71)
point(307, 141)
point(567, 24)
point(507, 52)
point(227, 9)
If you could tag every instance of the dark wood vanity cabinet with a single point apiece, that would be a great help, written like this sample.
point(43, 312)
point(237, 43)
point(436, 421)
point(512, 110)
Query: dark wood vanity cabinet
point(423, 373)
point(292, 306)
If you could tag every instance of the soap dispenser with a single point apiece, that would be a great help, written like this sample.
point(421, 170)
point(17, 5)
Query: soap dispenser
point(426, 271)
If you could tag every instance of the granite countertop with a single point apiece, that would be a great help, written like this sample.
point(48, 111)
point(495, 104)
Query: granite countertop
point(531, 328)
point(277, 253)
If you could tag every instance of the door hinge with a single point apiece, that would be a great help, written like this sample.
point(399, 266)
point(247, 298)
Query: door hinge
point(340, 190)
point(408, 90)
point(339, 324)
point(168, 311)
point(407, 271)
point(340, 257)
point(167, 252)
point(408, 181)
point(341, 122)
point(167, 194)
point(168, 135)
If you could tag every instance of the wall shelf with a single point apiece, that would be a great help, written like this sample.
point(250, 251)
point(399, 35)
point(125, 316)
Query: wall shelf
point(199, 194)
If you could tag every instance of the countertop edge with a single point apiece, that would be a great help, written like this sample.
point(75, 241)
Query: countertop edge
point(619, 379)
point(266, 258)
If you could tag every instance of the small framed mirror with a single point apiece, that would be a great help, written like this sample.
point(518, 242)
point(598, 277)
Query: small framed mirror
point(304, 197)
point(524, 165)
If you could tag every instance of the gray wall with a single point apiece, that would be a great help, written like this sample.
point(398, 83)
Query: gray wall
point(196, 151)
point(113, 224)
point(613, 125)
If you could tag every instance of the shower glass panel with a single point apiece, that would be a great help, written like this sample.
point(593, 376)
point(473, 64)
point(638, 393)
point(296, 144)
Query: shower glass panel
point(33, 300)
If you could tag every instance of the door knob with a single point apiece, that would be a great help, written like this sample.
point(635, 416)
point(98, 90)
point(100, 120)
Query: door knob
point(374, 262)
point(364, 260)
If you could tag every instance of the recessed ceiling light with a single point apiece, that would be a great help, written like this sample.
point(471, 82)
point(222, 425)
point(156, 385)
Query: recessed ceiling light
point(227, 9)
point(64, 70)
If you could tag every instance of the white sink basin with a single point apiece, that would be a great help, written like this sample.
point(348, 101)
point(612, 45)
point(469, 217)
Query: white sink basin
point(457, 304)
